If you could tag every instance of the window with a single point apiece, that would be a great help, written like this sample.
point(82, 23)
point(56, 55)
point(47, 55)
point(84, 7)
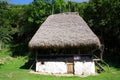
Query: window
point(42, 62)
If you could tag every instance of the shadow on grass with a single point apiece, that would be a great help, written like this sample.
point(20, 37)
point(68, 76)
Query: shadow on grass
point(29, 65)
point(114, 64)
point(1, 65)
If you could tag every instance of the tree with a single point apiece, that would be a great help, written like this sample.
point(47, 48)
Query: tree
point(5, 27)
point(103, 17)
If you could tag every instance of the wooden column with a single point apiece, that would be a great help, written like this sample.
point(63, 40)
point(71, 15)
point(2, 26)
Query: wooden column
point(36, 55)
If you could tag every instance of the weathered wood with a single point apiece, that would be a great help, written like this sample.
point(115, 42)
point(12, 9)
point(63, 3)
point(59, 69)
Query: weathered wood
point(102, 50)
point(100, 66)
point(70, 67)
point(96, 59)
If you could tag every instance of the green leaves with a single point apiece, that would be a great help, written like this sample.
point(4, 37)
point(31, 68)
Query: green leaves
point(30, 19)
point(103, 16)
point(5, 27)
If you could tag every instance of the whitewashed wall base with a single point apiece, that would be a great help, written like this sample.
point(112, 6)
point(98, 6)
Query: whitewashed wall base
point(84, 68)
point(52, 67)
point(80, 68)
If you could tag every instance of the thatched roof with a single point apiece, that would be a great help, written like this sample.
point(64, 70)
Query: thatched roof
point(64, 30)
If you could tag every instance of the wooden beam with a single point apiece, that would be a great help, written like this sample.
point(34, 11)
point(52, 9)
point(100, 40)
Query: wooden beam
point(96, 59)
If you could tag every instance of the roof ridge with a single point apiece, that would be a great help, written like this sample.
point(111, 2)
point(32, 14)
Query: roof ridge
point(68, 13)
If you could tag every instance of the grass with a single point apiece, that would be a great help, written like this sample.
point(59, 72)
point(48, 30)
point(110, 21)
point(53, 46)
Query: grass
point(11, 70)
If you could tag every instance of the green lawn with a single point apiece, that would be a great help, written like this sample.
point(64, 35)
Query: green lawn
point(10, 70)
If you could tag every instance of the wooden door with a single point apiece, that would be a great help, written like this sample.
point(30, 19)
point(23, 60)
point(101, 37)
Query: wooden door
point(70, 67)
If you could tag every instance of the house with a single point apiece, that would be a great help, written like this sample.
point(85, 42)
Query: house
point(64, 44)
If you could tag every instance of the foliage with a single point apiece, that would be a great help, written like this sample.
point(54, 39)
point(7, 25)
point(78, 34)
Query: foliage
point(103, 17)
point(5, 28)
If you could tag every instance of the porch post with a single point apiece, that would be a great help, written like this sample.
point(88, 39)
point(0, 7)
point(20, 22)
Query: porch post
point(36, 54)
point(102, 50)
point(37, 66)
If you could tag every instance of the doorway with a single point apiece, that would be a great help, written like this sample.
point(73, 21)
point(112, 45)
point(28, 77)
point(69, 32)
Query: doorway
point(70, 67)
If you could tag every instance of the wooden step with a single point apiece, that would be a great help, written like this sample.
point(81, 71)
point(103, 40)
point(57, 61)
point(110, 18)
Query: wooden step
point(96, 59)
point(100, 66)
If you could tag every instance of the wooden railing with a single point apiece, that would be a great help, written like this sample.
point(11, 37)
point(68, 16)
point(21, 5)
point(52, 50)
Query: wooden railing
point(97, 60)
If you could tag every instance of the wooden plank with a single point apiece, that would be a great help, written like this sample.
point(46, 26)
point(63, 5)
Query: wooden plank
point(96, 59)
point(100, 66)
point(70, 67)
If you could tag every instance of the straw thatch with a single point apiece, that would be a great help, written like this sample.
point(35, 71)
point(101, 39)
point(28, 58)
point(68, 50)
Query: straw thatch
point(64, 30)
